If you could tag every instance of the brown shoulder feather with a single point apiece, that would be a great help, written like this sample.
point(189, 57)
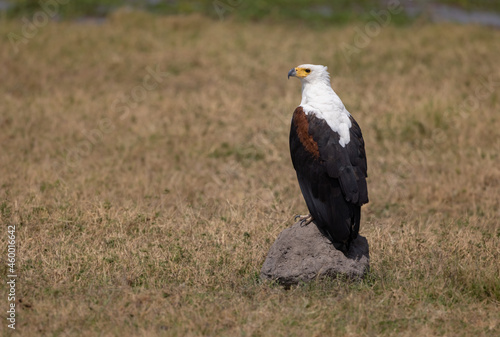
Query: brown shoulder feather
point(307, 140)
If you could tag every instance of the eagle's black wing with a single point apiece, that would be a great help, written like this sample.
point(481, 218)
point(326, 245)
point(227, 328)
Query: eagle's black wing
point(332, 178)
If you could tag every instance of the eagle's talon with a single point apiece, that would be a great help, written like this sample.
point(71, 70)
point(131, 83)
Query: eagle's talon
point(304, 220)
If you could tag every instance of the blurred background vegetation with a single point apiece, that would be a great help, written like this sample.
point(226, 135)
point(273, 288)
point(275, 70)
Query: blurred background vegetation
point(316, 12)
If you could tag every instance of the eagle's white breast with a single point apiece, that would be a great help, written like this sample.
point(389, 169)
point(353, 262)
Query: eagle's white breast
point(318, 98)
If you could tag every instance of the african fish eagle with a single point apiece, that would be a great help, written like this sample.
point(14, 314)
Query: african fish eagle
point(328, 154)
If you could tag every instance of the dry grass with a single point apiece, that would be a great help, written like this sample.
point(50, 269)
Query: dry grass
point(155, 219)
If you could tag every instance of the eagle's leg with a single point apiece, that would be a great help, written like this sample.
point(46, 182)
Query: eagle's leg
point(304, 219)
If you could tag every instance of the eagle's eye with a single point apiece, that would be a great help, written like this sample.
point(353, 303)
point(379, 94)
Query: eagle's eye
point(308, 71)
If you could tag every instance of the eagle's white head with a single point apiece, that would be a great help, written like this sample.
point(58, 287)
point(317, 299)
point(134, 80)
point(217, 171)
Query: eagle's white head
point(318, 98)
point(310, 73)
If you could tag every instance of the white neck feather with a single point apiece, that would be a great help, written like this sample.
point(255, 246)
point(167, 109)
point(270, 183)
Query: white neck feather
point(318, 98)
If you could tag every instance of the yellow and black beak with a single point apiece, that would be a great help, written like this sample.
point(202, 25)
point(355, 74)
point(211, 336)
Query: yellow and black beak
point(292, 72)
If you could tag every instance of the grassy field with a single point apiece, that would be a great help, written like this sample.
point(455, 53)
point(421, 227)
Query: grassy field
point(145, 167)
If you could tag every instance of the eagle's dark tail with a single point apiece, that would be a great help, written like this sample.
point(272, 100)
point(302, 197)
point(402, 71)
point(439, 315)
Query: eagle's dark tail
point(354, 221)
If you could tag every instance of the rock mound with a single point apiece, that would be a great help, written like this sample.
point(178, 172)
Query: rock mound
point(302, 253)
